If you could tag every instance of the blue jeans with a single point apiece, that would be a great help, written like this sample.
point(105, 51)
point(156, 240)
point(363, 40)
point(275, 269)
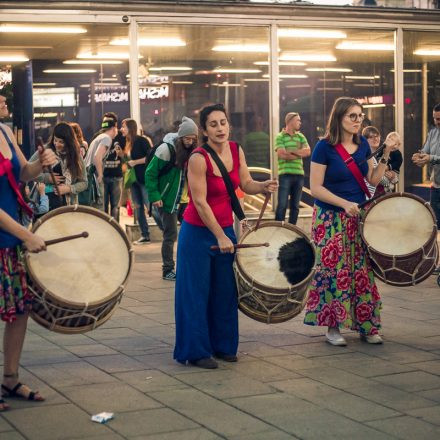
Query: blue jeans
point(112, 195)
point(290, 185)
point(435, 204)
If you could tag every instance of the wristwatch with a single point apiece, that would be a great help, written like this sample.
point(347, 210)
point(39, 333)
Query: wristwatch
point(383, 160)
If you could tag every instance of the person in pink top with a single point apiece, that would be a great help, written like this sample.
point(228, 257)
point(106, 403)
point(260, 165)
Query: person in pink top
point(206, 296)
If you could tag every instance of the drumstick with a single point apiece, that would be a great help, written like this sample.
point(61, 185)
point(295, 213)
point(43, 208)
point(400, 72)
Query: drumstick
point(263, 208)
point(376, 153)
point(66, 238)
point(52, 175)
point(363, 204)
point(242, 246)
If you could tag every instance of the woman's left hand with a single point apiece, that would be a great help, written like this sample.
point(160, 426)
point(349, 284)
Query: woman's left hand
point(392, 142)
point(63, 189)
point(270, 186)
point(131, 163)
point(46, 157)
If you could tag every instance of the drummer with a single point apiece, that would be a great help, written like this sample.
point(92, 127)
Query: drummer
point(343, 292)
point(15, 297)
point(206, 296)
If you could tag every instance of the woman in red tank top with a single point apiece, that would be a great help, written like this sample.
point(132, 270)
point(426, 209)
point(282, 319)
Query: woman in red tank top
point(206, 297)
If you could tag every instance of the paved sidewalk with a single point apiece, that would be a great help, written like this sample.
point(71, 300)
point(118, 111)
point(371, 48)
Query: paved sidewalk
point(287, 384)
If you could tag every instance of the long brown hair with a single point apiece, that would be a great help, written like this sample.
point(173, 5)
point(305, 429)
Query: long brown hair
point(78, 132)
point(182, 153)
point(132, 128)
point(71, 147)
point(333, 132)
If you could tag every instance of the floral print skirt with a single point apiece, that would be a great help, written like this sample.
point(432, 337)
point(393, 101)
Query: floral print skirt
point(15, 297)
point(343, 292)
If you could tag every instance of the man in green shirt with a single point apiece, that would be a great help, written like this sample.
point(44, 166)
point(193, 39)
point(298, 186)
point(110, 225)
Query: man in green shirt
point(291, 146)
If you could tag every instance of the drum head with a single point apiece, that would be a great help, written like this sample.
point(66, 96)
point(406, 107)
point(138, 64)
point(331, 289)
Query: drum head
point(261, 264)
point(85, 270)
point(398, 225)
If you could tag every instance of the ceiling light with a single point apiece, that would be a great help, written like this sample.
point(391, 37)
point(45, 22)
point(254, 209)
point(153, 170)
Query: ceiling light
point(236, 71)
point(287, 76)
point(329, 89)
point(256, 79)
point(27, 28)
point(69, 71)
point(225, 84)
point(280, 63)
point(327, 80)
point(364, 45)
point(298, 86)
point(241, 48)
point(323, 57)
point(13, 58)
point(46, 115)
point(311, 33)
point(150, 41)
point(108, 79)
point(328, 69)
point(362, 77)
point(409, 70)
point(44, 84)
point(183, 82)
point(92, 62)
point(159, 69)
point(428, 52)
point(105, 55)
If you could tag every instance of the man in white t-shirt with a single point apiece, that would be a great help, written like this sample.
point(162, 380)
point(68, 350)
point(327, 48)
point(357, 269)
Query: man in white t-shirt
point(97, 153)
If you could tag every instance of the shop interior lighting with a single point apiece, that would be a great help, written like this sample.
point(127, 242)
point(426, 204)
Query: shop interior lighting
point(46, 115)
point(365, 45)
point(409, 70)
point(372, 77)
point(329, 69)
point(99, 85)
point(92, 62)
point(183, 82)
point(48, 84)
point(236, 71)
point(105, 56)
point(373, 105)
point(322, 57)
point(169, 68)
point(256, 79)
point(311, 33)
point(326, 80)
point(287, 76)
point(241, 48)
point(151, 42)
point(29, 28)
point(69, 71)
point(298, 86)
point(13, 58)
point(329, 89)
point(427, 52)
point(226, 84)
point(281, 63)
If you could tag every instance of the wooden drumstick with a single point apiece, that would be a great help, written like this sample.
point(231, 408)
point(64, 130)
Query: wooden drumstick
point(66, 238)
point(242, 246)
point(263, 208)
point(52, 175)
point(363, 204)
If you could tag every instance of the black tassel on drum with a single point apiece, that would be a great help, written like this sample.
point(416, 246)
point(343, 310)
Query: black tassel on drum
point(296, 260)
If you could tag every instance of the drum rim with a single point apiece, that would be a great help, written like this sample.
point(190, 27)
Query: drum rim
point(98, 213)
point(265, 287)
point(432, 237)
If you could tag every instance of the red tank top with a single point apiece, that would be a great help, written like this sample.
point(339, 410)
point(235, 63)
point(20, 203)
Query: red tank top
point(217, 195)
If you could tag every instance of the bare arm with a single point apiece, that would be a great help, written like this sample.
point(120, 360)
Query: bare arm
point(297, 154)
point(97, 161)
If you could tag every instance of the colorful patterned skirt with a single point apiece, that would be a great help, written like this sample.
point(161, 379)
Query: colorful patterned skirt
point(15, 297)
point(343, 292)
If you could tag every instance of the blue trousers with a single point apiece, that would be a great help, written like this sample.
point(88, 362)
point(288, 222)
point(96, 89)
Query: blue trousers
point(290, 187)
point(206, 296)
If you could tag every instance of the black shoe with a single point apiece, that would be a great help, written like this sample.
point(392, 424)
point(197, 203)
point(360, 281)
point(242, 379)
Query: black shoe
point(208, 363)
point(169, 276)
point(226, 357)
point(436, 271)
point(143, 240)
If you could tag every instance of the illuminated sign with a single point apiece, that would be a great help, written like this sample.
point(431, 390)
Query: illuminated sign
point(145, 93)
point(381, 99)
point(54, 97)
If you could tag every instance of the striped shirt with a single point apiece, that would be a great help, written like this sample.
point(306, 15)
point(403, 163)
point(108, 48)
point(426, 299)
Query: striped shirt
point(290, 143)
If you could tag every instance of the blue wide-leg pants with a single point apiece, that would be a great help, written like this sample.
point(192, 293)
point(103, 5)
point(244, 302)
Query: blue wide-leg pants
point(206, 306)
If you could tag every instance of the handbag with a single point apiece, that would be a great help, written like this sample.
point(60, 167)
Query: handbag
point(129, 177)
point(91, 194)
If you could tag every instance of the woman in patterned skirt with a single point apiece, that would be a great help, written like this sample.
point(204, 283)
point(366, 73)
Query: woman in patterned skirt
point(343, 292)
point(14, 294)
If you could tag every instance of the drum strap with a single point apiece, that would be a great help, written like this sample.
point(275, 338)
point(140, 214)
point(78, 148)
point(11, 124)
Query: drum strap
point(352, 166)
point(236, 207)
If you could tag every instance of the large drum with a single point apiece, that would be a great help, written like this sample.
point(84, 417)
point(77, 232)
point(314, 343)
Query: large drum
point(264, 293)
point(400, 232)
point(78, 283)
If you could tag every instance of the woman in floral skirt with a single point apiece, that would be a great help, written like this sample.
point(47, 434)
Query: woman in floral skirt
point(343, 292)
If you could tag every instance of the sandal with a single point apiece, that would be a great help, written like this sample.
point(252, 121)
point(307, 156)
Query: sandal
point(12, 392)
point(4, 405)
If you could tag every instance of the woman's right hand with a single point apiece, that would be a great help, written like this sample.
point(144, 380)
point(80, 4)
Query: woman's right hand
point(34, 243)
point(351, 208)
point(225, 245)
point(58, 179)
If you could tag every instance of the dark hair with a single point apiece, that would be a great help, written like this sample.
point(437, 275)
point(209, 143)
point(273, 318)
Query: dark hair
point(370, 131)
point(333, 132)
point(78, 132)
point(132, 133)
point(436, 108)
point(182, 153)
point(71, 146)
point(110, 115)
point(206, 111)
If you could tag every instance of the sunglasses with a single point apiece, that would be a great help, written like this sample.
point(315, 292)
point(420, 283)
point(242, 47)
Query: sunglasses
point(356, 116)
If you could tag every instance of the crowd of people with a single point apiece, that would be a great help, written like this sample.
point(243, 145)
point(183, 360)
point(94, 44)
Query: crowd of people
point(194, 180)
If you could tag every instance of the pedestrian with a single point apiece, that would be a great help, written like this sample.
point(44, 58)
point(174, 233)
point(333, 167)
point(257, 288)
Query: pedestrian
point(83, 145)
point(15, 296)
point(165, 180)
point(291, 147)
point(206, 295)
point(343, 293)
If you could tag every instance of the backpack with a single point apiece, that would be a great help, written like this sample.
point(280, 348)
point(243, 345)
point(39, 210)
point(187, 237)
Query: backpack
point(170, 164)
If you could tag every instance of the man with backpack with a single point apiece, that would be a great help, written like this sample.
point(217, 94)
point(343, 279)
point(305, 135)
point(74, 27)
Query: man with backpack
point(165, 180)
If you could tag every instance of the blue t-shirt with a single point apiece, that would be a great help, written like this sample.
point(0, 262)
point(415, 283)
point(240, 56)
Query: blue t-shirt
point(9, 203)
point(338, 178)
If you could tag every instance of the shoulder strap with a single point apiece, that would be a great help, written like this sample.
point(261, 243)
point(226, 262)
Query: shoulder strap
point(352, 166)
point(236, 207)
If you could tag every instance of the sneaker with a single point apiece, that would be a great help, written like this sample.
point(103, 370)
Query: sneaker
point(371, 339)
point(208, 363)
point(226, 357)
point(169, 276)
point(334, 337)
point(436, 271)
point(143, 240)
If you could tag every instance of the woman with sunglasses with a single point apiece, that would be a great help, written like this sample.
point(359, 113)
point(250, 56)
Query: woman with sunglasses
point(343, 292)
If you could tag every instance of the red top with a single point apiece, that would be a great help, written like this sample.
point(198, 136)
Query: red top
point(217, 195)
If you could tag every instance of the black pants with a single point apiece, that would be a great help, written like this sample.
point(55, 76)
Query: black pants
point(435, 204)
point(169, 222)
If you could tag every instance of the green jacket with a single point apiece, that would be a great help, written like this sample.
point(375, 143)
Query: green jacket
point(166, 187)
